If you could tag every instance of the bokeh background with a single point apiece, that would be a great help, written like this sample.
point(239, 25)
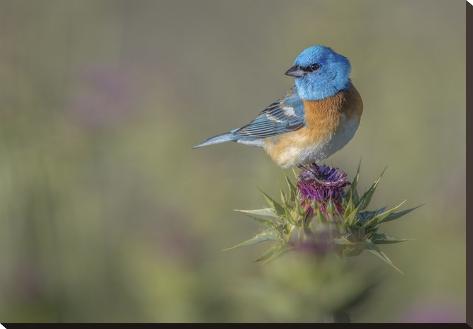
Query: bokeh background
point(107, 214)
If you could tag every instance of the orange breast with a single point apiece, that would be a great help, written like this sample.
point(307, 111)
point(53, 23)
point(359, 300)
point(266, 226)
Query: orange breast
point(322, 119)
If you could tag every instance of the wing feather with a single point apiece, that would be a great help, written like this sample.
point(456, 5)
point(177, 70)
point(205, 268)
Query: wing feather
point(284, 115)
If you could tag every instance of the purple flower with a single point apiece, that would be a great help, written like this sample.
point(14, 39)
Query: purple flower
point(321, 184)
point(105, 95)
point(321, 242)
point(433, 312)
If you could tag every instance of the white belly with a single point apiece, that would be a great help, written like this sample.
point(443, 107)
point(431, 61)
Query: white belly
point(332, 143)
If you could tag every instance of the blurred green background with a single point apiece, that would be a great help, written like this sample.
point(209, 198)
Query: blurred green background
point(107, 214)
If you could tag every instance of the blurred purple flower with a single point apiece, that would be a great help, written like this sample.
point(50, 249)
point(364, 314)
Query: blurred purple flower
point(321, 184)
point(440, 312)
point(321, 242)
point(103, 96)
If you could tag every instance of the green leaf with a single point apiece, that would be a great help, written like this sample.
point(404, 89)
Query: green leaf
point(354, 186)
point(276, 206)
point(298, 211)
point(296, 176)
point(268, 235)
point(349, 206)
point(321, 217)
point(366, 198)
point(273, 253)
point(381, 238)
point(399, 214)
point(350, 219)
point(266, 222)
point(343, 241)
point(374, 249)
point(284, 199)
point(380, 218)
point(264, 216)
point(265, 212)
point(292, 190)
point(330, 207)
point(350, 248)
point(390, 240)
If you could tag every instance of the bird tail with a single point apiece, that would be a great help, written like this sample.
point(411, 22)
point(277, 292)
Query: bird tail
point(222, 138)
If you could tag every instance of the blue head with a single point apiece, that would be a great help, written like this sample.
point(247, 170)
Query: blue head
point(320, 72)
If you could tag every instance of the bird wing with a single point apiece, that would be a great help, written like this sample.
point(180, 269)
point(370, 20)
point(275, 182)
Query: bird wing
point(282, 116)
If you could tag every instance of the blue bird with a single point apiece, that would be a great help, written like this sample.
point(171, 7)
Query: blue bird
point(319, 115)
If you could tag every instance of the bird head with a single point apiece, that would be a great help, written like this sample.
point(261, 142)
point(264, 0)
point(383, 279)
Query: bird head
point(320, 72)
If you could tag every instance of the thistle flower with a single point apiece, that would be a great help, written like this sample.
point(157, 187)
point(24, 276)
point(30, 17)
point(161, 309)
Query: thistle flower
point(324, 217)
point(321, 184)
point(322, 197)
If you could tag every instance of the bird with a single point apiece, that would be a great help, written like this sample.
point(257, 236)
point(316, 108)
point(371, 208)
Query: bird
point(318, 116)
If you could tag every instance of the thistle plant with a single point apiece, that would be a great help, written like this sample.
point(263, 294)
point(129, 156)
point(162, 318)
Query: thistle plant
point(324, 213)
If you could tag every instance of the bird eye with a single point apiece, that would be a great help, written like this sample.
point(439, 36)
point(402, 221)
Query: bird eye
point(313, 67)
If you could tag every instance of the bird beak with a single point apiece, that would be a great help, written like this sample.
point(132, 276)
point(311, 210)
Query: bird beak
point(295, 71)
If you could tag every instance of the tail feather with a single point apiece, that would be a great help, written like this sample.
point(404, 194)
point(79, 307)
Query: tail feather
point(222, 138)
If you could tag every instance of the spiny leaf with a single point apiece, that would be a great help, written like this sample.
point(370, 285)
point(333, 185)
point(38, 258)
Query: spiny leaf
point(380, 218)
point(266, 222)
point(265, 212)
point(330, 207)
point(367, 215)
point(293, 215)
point(321, 217)
point(283, 199)
point(265, 216)
point(399, 214)
point(366, 198)
point(350, 219)
point(374, 249)
point(297, 209)
point(272, 203)
point(381, 238)
point(349, 206)
point(272, 253)
point(306, 220)
point(343, 241)
point(292, 190)
point(268, 235)
point(390, 241)
point(350, 248)
point(354, 185)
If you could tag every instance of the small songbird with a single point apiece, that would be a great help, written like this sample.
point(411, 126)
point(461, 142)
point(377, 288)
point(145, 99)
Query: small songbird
point(317, 117)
